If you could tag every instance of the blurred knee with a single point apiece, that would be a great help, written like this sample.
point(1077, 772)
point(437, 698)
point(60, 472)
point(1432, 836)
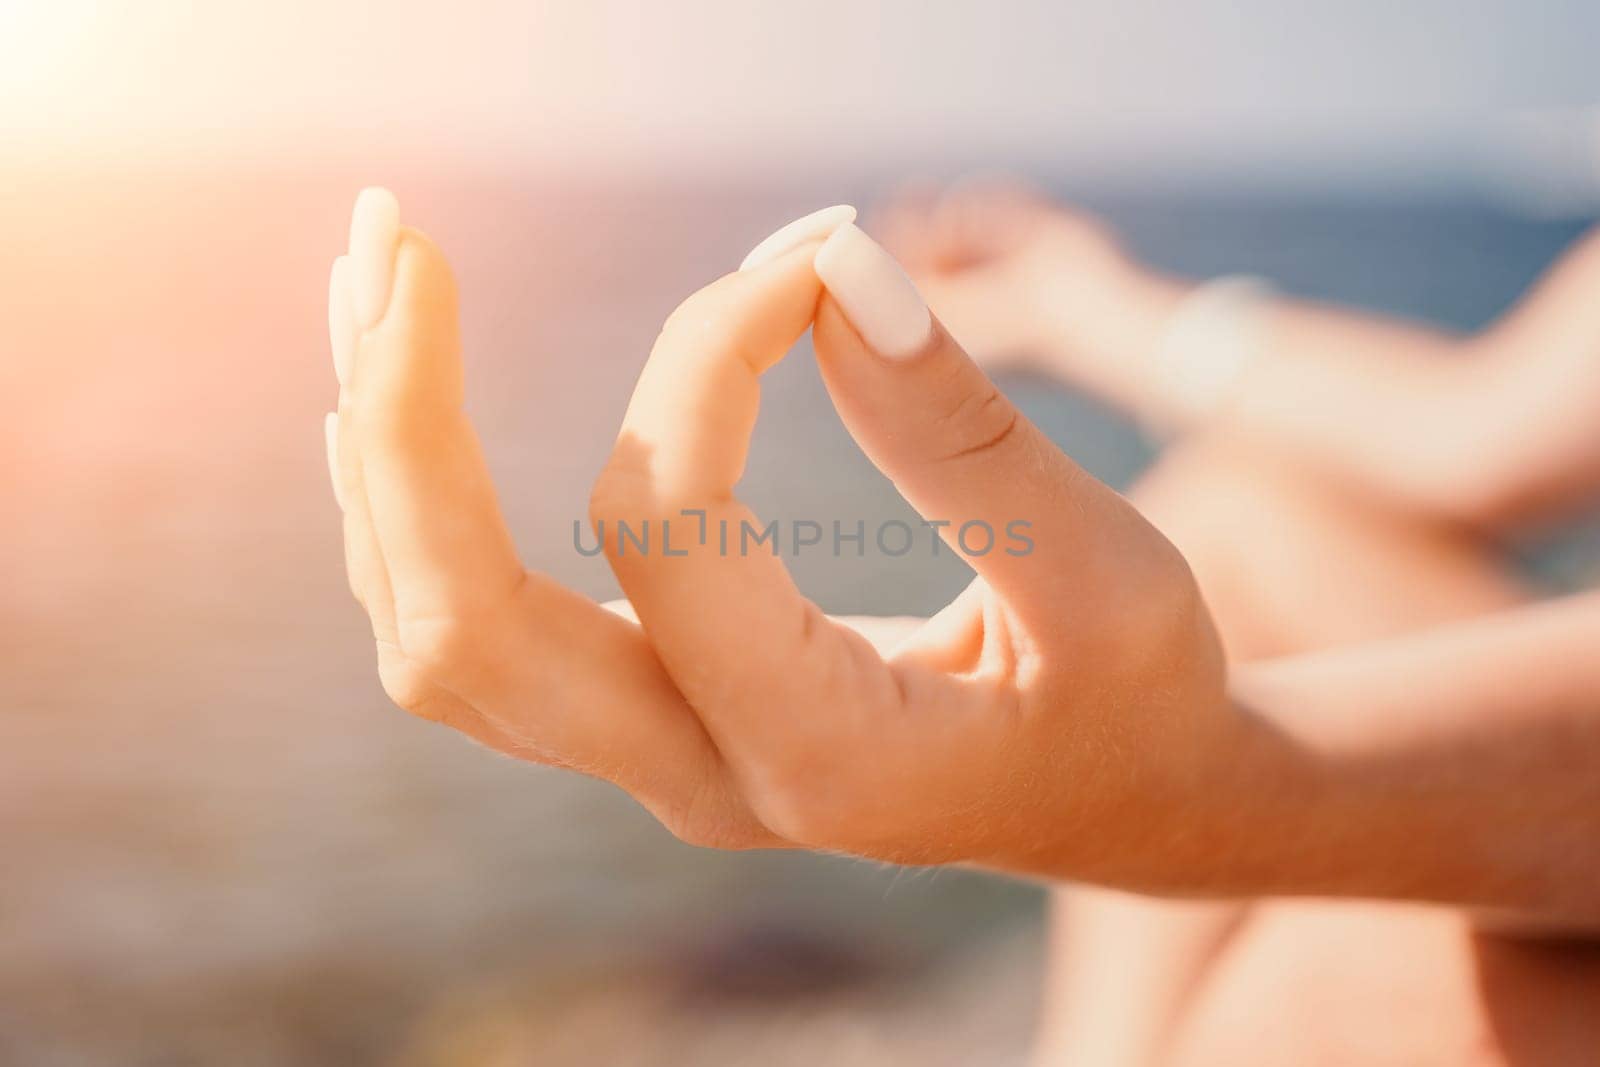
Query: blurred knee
point(1289, 561)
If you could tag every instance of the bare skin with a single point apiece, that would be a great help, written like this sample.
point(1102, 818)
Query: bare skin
point(1492, 429)
point(708, 712)
point(1102, 743)
point(1350, 537)
point(1138, 980)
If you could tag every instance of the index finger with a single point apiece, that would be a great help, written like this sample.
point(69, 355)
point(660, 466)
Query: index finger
point(731, 628)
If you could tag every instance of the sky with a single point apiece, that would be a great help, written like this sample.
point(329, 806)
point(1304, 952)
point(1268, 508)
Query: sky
point(1415, 88)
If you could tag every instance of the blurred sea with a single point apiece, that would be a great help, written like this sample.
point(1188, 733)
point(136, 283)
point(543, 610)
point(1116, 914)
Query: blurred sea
point(221, 844)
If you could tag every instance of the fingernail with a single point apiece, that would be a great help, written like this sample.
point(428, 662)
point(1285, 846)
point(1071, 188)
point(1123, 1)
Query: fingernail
point(341, 320)
point(874, 292)
point(806, 228)
point(330, 434)
point(374, 234)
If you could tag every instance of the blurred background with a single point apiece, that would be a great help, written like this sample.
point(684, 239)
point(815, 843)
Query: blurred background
point(218, 842)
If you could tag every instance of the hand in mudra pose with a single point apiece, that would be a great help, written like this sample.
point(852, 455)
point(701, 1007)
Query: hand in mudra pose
point(1065, 715)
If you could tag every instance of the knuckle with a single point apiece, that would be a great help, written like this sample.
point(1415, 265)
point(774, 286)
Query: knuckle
point(1166, 608)
point(441, 645)
point(713, 814)
point(624, 493)
point(808, 805)
point(1172, 590)
point(698, 317)
point(622, 486)
point(407, 685)
point(701, 328)
point(797, 822)
point(978, 421)
point(699, 833)
point(706, 827)
point(688, 321)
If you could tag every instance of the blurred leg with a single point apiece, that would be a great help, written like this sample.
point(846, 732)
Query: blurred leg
point(1287, 564)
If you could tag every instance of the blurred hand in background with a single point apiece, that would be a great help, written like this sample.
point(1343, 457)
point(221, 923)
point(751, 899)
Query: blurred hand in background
point(1492, 429)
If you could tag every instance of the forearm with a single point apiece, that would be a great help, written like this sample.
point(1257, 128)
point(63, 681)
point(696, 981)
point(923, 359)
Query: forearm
point(1488, 428)
point(1461, 766)
point(1384, 404)
point(1478, 429)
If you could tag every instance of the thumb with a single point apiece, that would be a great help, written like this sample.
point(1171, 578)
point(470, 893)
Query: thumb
point(1027, 518)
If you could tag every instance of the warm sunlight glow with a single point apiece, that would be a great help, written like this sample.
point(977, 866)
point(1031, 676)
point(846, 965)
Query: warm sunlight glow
point(47, 52)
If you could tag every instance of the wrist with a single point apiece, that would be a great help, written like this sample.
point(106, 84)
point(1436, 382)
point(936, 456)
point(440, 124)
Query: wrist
point(1257, 805)
point(1205, 811)
point(1222, 816)
point(1110, 330)
point(1371, 799)
point(1247, 794)
point(1218, 331)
